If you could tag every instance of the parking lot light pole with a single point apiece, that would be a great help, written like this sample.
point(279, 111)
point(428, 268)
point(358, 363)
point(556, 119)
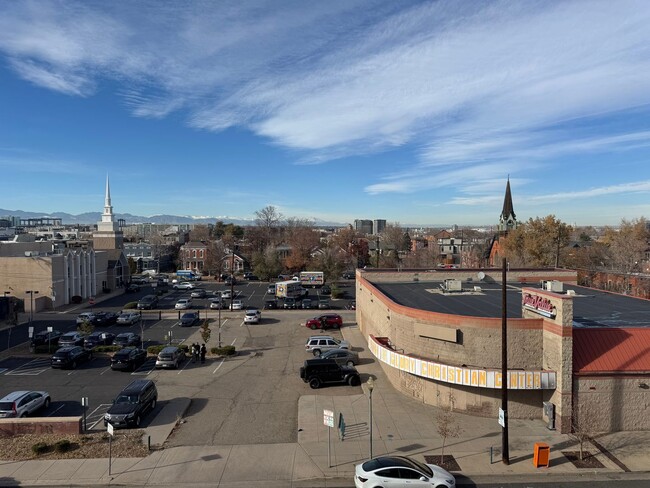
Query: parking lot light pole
point(31, 294)
point(220, 304)
point(371, 386)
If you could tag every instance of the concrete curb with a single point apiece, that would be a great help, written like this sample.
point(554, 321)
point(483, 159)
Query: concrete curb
point(166, 421)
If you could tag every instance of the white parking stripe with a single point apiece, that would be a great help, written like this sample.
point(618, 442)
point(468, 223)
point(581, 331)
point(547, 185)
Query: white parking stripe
point(32, 368)
point(215, 370)
point(50, 414)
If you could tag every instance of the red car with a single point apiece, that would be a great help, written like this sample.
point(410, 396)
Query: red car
point(325, 321)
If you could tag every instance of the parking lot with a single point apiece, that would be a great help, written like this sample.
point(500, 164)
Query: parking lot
point(251, 397)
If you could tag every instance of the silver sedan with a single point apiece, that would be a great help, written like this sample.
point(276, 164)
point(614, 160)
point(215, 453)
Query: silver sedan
point(343, 357)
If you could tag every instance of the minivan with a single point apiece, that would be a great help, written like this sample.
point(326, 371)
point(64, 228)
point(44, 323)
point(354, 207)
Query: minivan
point(170, 357)
point(132, 404)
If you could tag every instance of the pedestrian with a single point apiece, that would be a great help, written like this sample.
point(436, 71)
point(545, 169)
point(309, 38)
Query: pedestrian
point(204, 351)
point(193, 352)
point(197, 351)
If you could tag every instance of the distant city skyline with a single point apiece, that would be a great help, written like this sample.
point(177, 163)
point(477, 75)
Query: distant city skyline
point(416, 112)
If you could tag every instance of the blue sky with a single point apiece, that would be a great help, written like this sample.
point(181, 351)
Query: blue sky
point(415, 112)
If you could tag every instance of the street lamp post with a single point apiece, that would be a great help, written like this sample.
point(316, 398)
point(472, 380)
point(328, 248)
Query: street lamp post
point(371, 386)
point(31, 294)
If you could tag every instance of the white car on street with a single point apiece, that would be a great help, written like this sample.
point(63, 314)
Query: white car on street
point(183, 304)
point(184, 285)
point(85, 317)
point(128, 318)
point(226, 294)
point(237, 305)
point(216, 303)
point(253, 316)
point(401, 471)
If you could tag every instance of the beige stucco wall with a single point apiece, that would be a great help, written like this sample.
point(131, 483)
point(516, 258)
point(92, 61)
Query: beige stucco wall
point(19, 274)
point(612, 403)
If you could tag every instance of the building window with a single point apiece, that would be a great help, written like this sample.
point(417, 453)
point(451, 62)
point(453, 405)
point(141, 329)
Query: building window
point(194, 253)
point(200, 253)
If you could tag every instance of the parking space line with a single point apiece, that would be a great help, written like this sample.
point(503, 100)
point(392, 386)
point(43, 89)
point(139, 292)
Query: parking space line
point(94, 413)
point(2, 370)
point(32, 368)
point(222, 360)
point(107, 369)
point(50, 414)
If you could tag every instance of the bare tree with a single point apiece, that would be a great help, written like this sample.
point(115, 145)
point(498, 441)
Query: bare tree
point(200, 233)
point(627, 245)
point(447, 424)
point(303, 239)
point(581, 428)
point(268, 220)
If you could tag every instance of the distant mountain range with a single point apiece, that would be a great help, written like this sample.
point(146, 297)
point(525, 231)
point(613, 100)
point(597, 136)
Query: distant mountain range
point(89, 218)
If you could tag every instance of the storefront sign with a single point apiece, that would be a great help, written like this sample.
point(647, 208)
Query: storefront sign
point(539, 304)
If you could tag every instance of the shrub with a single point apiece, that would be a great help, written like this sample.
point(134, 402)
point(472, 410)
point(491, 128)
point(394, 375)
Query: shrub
point(40, 448)
point(64, 445)
point(224, 351)
point(155, 349)
point(106, 348)
point(130, 306)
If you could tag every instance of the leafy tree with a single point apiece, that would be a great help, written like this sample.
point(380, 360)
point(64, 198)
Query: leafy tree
point(267, 264)
point(133, 266)
point(205, 331)
point(537, 242)
point(331, 261)
point(86, 327)
point(303, 239)
point(627, 244)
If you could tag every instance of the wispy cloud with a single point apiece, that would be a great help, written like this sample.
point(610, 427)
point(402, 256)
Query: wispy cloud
point(477, 88)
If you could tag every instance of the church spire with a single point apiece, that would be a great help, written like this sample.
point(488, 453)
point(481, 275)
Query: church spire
point(508, 219)
point(107, 216)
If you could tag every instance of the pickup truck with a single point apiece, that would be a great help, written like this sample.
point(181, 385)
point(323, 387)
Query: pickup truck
point(319, 372)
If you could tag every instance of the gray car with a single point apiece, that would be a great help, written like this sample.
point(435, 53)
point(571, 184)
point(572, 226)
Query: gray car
point(23, 403)
point(344, 357)
point(319, 344)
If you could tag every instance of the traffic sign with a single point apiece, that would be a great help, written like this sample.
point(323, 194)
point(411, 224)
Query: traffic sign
point(109, 428)
point(91, 300)
point(328, 418)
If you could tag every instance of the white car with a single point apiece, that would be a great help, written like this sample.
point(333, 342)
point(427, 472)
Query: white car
point(85, 317)
point(184, 285)
point(401, 471)
point(237, 305)
point(216, 304)
point(253, 316)
point(226, 294)
point(128, 318)
point(183, 303)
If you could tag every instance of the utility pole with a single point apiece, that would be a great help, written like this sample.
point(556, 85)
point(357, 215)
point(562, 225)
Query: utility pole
point(377, 251)
point(505, 453)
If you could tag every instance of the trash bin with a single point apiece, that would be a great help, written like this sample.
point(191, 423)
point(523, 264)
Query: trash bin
point(541, 455)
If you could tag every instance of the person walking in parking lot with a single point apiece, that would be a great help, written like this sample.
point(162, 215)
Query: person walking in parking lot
point(195, 351)
point(204, 351)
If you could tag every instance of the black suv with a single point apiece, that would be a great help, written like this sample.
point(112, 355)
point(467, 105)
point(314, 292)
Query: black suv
point(44, 337)
point(318, 372)
point(132, 404)
point(147, 302)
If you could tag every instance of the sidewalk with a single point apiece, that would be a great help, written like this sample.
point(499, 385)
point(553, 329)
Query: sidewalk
point(401, 426)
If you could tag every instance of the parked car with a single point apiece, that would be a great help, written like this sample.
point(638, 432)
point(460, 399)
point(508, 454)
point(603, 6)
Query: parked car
point(324, 304)
point(128, 318)
point(325, 321)
point(231, 280)
point(128, 359)
point(85, 317)
point(349, 275)
point(132, 404)
point(216, 303)
point(198, 293)
point(381, 471)
point(306, 303)
point(290, 302)
point(126, 339)
point(237, 305)
point(271, 290)
point(184, 285)
point(70, 357)
point(252, 277)
point(98, 338)
point(271, 304)
point(183, 304)
point(342, 356)
point(321, 343)
point(226, 294)
point(351, 305)
point(44, 337)
point(253, 316)
point(188, 319)
point(147, 302)
point(132, 288)
point(170, 357)
point(319, 372)
point(325, 290)
point(104, 318)
point(18, 404)
point(71, 339)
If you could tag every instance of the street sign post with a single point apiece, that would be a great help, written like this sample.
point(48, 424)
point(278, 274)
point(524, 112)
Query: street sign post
point(30, 332)
point(328, 420)
point(109, 428)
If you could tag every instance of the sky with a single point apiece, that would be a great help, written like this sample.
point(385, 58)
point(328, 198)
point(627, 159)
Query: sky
point(416, 112)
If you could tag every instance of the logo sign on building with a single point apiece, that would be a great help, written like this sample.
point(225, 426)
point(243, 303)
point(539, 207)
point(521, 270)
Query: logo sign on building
point(328, 418)
point(539, 304)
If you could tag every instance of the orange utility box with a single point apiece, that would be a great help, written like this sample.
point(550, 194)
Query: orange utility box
point(542, 455)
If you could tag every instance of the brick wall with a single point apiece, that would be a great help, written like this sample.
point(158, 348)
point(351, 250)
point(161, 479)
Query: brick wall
point(45, 425)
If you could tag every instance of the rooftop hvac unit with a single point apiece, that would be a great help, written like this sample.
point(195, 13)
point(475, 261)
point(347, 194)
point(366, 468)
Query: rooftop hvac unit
point(554, 286)
point(30, 254)
point(453, 285)
point(570, 292)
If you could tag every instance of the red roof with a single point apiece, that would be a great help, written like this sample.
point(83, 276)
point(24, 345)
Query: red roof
point(605, 350)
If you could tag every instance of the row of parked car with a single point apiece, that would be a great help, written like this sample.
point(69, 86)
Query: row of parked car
point(109, 318)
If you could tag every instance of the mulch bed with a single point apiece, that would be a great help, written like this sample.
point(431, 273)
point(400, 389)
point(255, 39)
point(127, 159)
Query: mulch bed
point(447, 462)
point(588, 461)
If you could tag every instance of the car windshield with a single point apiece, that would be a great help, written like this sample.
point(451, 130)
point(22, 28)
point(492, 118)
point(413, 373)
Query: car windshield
point(127, 399)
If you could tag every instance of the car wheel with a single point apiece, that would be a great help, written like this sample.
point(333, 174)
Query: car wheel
point(354, 381)
point(317, 352)
point(313, 326)
point(350, 363)
point(314, 383)
point(46, 403)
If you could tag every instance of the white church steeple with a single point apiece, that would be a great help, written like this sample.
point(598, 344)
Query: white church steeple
point(107, 216)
